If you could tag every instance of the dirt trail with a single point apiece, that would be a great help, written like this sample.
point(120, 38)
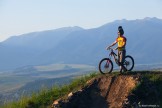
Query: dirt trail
point(102, 92)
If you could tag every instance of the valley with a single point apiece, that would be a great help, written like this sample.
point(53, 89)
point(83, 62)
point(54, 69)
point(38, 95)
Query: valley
point(25, 80)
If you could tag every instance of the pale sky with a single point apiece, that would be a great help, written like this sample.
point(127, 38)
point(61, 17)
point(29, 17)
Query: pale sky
point(23, 16)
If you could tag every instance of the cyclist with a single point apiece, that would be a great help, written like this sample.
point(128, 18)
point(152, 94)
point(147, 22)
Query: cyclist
point(121, 40)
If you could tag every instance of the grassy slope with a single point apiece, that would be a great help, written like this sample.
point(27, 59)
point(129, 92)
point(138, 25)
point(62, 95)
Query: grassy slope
point(149, 90)
point(45, 97)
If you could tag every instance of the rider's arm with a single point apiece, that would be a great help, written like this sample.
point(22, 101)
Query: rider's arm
point(111, 45)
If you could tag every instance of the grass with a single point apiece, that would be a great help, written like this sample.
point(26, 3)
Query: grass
point(46, 96)
point(149, 90)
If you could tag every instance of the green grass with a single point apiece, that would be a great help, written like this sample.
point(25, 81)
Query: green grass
point(46, 96)
point(149, 90)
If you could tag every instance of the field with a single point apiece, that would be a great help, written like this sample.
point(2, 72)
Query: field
point(32, 78)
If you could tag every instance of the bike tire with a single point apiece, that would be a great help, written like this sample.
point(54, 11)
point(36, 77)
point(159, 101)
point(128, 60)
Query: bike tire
point(129, 62)
point(105, 66)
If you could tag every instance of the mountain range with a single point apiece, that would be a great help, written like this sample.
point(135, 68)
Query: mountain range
point(75, 45)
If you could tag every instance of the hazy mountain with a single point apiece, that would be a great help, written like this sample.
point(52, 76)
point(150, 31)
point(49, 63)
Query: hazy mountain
point(18, 51)
point(80, 46)
point(88, 46)
point(43, 40)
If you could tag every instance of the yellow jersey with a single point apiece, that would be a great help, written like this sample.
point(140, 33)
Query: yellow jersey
point(121, 40)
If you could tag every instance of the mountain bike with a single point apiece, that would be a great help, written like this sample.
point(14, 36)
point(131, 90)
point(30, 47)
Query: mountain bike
point(106, 65)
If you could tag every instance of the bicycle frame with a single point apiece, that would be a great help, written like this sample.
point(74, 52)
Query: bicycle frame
point(112, 53)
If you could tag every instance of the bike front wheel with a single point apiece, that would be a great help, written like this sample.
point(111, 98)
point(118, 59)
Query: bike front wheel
point(105, 66)
point(129, 62)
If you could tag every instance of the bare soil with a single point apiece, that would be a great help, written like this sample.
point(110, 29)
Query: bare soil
point(102, 92)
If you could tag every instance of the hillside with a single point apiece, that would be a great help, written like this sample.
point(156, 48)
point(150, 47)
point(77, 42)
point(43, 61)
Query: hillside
point(121, 91)
point(137, 89)
point(74, 45)
point(109, 91)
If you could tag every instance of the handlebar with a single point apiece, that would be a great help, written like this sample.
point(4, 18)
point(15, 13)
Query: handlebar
point(111, 49)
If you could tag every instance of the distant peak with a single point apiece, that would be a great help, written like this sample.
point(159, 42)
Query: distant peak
point(73, 28)
point(121, 21)
point(150, 18)
point(77, 28)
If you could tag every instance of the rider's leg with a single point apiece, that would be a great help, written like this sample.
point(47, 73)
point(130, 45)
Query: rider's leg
point(119, 60)
point(121, 55)
point(122, 60)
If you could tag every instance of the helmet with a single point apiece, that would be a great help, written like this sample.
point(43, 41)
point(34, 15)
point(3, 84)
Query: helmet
point(120, 29)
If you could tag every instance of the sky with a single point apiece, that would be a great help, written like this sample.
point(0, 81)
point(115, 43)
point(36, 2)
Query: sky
point(23, 16)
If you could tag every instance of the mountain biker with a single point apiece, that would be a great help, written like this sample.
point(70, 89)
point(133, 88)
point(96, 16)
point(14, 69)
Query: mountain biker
point(121, 40)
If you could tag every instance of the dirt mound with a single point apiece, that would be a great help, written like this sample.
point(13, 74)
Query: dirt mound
point(101, 92)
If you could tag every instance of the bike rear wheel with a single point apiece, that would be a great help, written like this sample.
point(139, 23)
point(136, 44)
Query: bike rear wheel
point(105, 66)
point(129, 62)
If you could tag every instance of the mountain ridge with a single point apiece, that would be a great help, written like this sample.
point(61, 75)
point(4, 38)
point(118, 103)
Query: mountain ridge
point(82, 46)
